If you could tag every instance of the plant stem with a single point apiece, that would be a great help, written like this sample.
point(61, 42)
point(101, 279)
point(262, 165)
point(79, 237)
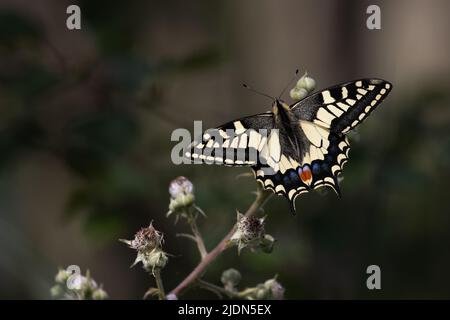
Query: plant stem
point(212, 287)
point(159, 284)
point(261, 198)
point(198, 239)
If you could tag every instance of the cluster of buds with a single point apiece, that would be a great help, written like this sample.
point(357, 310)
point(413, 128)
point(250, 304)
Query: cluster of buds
point(73, 286)
point(304, 86)
point(182, 200)
point(269, 290)
point(250, 233)
point(148, 244)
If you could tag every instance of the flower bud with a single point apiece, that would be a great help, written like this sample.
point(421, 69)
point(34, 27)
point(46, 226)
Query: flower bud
point(156, 259)
point(99, 294)
point(306, 82)
point(56, 291)
point(298, 93)
point(147, 242)
point(261, 292)
point(80, 288)
point(62, 276)
point(146, 239)
point(230, 278)
point(181, 192)
point(249, 232)
point(275, 289)
point(180, 186)
point(171, 296)
point(251, 227)
point(267, 243)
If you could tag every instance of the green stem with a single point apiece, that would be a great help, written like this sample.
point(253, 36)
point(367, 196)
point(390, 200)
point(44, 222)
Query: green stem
point(159, 284)
point(198, 239)
point(212, 287)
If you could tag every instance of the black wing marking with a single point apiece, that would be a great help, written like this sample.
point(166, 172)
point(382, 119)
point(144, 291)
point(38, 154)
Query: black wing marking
point(236, 143)
point(341, 108)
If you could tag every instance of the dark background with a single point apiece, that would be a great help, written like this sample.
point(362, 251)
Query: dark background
point(86, 118)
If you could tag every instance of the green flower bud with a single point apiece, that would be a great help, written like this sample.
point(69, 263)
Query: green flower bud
point(80, 288)
point(230, 278)
point(62, 276)
point(306, 83)
point(261, 292)
point(99, 294)
point(181, 202)
point(267, 243)
point(275, 289)
point(56, 291)
point(298, 93)
point(156, 259)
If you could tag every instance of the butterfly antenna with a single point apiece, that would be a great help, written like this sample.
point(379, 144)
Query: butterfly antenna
point(258, 92)
point(289, 83)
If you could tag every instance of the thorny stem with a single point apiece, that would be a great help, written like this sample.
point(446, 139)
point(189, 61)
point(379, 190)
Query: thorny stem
point(261, 198)
point(159, 284)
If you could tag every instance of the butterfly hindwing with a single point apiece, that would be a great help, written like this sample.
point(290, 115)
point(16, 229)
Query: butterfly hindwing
point(315, 170)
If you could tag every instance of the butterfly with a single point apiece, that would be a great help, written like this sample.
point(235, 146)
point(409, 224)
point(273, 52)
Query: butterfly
point(295, 148)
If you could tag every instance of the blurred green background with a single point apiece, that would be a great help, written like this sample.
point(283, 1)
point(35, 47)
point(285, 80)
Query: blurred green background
point(86, 118)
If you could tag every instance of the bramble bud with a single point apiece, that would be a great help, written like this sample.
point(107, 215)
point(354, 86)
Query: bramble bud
point(171, 296)
point(275, 289)
point(156, 259)
point(62, 276)
point(146, 239)
point(180, 186)
point(181, 192)
point(99, 294)
point(298, 94)
point(249, 231)
point(230, 278)
point(306, 82)
point(261, 292)
point(304, 86)
point(251, 228)
point(267, 243)
point(148, 242)
point(81, 288)
point(56, 291)
point(269, 290)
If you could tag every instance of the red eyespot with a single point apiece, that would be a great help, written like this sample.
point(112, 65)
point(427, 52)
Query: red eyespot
point(305, 174)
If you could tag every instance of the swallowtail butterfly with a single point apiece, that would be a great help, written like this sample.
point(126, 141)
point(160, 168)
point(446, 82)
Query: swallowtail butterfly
point(295, 148)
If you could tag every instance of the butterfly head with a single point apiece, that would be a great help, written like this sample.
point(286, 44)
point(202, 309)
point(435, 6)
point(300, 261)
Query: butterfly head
point(279, 107)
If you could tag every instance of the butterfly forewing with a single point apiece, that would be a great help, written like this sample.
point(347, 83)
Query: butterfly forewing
point(236, 143)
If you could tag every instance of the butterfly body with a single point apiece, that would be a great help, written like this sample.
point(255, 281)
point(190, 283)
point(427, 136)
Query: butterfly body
point(295, 148)
point(286, 123)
